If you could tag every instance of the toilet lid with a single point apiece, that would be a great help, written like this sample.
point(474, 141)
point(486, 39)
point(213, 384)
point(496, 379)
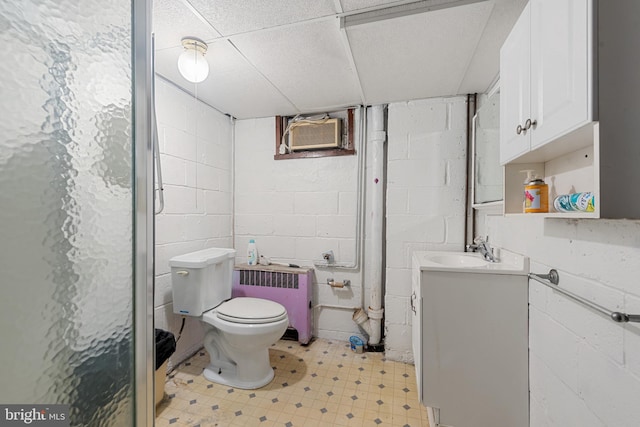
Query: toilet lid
point(251, 310)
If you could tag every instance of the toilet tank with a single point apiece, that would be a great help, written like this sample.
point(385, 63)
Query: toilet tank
point(201, 280)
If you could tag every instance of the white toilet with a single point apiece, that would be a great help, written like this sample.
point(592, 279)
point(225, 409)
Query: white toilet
point(238, 331)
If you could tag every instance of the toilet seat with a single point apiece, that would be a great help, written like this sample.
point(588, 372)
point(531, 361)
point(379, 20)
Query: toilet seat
point(254, 311)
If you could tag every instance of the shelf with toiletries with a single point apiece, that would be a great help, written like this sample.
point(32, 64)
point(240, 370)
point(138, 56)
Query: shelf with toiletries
point(563, 173)
point(569, 106)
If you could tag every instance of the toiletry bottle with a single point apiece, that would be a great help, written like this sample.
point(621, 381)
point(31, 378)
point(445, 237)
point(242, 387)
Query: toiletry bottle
point(575, 202)
point(252, 253)
point(536, 193)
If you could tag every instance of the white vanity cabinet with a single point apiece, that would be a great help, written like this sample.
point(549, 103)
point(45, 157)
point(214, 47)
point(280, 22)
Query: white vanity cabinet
point(470, 338)
point(570, 91)
point(416, 321)
point(546, 67)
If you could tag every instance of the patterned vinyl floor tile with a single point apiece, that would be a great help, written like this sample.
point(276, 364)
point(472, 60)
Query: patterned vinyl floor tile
point(321, 384)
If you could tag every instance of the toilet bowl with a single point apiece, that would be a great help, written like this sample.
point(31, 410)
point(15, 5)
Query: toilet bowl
point(238, 334)
point(238, 331)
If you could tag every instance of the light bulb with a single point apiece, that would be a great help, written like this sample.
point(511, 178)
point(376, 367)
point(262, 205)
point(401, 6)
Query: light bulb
point(192, 64)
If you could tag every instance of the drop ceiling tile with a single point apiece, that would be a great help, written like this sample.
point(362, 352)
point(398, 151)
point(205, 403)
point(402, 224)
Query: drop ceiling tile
point(485, 63)
point(172, 21)
point(234, 17)
point(417, 56)
point(303, 64)
point(233, 86)
point(308, 63)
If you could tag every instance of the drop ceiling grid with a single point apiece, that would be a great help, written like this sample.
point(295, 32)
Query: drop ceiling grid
point(308, 63)
point(233, 17)
point(353, 5)
point(172, 21)
point(233, 85)
point(412, 51)
point(397, 60)
point(245, 92)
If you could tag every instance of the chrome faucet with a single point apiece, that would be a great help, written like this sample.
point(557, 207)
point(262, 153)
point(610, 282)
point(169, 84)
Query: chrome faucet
point(482, 245)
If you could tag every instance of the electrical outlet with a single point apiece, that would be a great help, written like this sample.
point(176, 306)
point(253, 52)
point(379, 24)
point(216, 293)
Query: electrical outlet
point(328, 256)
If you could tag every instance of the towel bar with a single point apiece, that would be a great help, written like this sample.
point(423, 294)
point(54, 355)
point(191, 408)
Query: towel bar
point(552, 279)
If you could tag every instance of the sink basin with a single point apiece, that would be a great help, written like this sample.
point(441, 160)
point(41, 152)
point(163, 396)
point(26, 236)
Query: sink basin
point(460, 260)
point(472, 262)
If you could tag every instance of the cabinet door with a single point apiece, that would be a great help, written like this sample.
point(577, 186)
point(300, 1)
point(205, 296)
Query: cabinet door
point(416, 326)
point(475, 351)
point(515, 89)
point(560, 67)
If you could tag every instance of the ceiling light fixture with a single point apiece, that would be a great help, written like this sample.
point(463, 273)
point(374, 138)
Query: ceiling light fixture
point(192, 64)
point(376, 14)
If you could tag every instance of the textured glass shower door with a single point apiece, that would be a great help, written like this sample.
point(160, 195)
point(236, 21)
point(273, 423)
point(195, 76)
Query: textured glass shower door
point(73, 209)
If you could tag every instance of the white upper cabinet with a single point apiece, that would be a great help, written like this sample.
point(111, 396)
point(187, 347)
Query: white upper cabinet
point(561, 58)
point(515, 77)
point(570, 91)
point(546, 67)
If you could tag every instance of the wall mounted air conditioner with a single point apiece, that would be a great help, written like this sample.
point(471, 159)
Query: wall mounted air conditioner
point(312, 136)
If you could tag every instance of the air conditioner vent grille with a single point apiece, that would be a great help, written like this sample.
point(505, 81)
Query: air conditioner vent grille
point(306, 136)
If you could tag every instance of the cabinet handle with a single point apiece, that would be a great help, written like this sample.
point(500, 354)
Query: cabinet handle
point(519, 129)
point(530, 123)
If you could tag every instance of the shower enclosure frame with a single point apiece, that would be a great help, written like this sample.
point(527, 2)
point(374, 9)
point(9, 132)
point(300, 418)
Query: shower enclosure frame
point(77, 220)
point(144, 345)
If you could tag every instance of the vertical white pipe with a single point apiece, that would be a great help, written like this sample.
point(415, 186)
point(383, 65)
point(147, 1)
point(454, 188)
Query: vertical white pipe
point(376, 142)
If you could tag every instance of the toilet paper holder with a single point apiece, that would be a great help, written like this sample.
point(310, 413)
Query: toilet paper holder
point(335, 284)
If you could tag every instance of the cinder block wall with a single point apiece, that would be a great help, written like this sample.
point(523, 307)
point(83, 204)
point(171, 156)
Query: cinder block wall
point(296, 209)
point(584, 368)
point(195, 147)
point(426, 184)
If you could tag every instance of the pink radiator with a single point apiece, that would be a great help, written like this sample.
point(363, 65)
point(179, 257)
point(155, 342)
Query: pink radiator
point(290, 287)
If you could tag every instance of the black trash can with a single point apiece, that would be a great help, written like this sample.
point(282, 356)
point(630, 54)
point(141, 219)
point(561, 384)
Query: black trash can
point(165, 347)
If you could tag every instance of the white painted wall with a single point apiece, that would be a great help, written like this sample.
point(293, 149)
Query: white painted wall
point(584, 368)
point(426, 185)
point(296, 209)
point(195, 147)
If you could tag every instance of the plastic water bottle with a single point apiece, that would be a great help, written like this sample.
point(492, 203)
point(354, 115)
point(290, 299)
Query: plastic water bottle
point(252, 253)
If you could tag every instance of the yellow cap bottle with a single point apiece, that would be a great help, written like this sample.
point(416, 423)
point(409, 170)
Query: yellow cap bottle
point(536, 193)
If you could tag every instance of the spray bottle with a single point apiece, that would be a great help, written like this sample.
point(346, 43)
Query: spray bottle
point(536, 193)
